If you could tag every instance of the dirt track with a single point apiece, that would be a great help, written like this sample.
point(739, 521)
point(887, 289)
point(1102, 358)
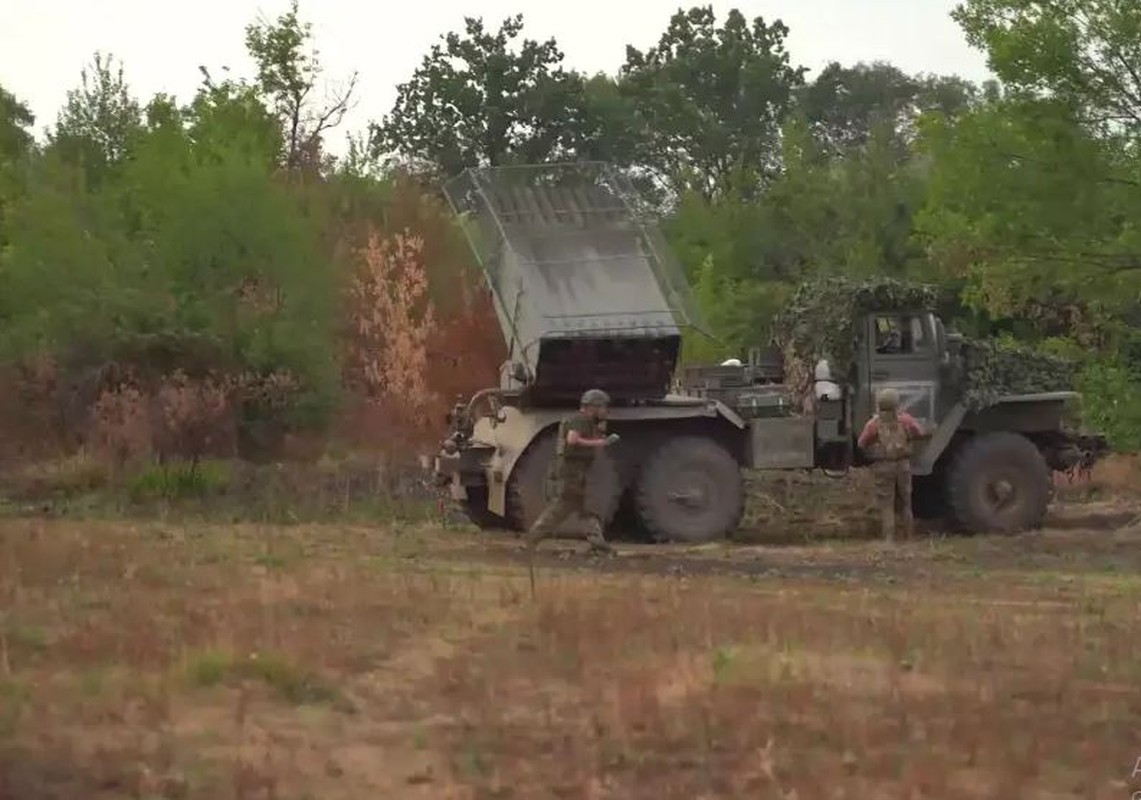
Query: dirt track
point(1095, 537)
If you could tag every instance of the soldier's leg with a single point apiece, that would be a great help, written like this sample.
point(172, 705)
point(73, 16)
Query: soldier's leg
point(903, 491)
point(885, 500)
point(594, 533)
point(549, 520)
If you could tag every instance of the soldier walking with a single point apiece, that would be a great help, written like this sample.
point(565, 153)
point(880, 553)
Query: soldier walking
point(580, 438)
point(888, 438)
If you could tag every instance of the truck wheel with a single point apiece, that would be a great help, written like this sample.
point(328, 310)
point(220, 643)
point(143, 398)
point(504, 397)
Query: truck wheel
point(527, 489)
point(475, 508)
point(690, 491)
point(928, 499)
point(1000, 483)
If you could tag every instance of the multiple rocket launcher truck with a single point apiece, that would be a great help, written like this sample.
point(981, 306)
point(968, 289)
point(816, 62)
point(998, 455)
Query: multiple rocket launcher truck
point(588, 295)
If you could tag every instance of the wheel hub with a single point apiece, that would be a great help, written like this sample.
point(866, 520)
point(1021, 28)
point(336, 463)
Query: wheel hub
point(1001, 493)
point(693, 492)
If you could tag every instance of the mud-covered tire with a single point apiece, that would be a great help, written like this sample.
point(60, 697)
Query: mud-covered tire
point(709, 482)
point(998, 483)
point(475, 509)
point(528, 487)
point(929, 497)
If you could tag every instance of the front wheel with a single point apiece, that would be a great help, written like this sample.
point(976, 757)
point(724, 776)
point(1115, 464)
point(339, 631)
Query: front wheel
point(477, 512)
point(691, 491)
point(998, 483)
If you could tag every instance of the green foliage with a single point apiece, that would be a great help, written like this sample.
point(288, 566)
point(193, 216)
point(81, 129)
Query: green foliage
point(478, 100)
point(100, 121)
point(188, 254)
point(179, 481)
point(1110, 389)
point(16, 145)
point(709, 100)
point(287, 72)
point(846, 104)
point(1085, 53)
point(1026, 204)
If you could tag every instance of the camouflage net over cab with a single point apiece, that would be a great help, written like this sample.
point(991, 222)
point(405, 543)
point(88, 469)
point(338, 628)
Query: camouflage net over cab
point(996, 369)
point(821, 321)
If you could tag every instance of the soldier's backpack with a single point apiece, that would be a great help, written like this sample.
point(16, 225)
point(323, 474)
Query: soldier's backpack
point(893, 441)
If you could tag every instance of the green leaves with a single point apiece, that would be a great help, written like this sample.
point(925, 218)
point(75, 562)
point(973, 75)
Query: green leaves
point(1083, 53)
point(477, 99)
point(710, 99)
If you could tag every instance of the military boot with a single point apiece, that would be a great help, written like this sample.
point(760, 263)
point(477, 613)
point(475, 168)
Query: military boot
point(887, 523)
point(595, 539)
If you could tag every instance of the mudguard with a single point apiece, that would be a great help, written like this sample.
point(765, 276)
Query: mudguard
point(1003, 414)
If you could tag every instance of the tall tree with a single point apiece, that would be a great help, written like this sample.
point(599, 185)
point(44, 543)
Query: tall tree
point(1086, 53)
point(289, 68)
point(16, 144)
point(845, 104)
point(480, 97)
point(709, 100)
point(100, 119)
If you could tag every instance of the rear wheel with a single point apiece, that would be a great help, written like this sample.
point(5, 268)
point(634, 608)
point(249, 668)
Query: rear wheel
point(998, 483)
point(529, 490)
point(690, 491)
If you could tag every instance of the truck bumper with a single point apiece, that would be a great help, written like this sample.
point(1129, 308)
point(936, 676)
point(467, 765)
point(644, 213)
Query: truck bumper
point(460, 470)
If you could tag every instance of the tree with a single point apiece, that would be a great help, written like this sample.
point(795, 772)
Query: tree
point(100, 120)
point(844, 104)
point(288, 71)
point(15, 119)
point(1085, 53)
point(187, 256)
point(709, 100)
point(478, 99)
point(16, 145)
point(1026, 203)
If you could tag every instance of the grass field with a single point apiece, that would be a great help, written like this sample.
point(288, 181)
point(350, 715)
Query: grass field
point(181, 660)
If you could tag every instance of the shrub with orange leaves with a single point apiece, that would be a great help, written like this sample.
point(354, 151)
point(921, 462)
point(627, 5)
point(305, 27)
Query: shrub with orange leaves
point(392, 320)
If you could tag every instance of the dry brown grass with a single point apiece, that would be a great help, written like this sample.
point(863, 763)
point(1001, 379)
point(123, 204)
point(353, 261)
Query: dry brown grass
point(335, 662)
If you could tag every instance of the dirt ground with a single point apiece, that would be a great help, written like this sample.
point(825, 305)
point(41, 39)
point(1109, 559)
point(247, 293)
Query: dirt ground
point(172, 660)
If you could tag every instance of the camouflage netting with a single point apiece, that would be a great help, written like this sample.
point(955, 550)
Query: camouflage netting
point(994, 370)
point(820, 322)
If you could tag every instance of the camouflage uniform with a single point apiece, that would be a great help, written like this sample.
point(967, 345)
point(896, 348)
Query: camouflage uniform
point(889, 435)
point(572, 466)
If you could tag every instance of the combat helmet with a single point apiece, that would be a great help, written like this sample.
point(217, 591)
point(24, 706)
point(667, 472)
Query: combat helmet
point(595, 397)
point(887, 400)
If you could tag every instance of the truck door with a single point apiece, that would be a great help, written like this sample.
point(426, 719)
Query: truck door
point(902, 354)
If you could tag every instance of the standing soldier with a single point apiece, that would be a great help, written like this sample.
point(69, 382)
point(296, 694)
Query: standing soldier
point(889, 435)
point(579, 440)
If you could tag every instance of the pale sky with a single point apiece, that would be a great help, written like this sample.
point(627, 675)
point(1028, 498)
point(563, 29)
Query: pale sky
point(45, 43)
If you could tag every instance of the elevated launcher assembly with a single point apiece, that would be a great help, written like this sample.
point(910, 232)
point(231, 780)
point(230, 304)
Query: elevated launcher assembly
point(585, 288)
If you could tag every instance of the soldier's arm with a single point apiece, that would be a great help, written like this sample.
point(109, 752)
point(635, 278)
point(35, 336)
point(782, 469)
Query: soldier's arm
point(912, 425)
point(868, 434)
point(578, 438)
